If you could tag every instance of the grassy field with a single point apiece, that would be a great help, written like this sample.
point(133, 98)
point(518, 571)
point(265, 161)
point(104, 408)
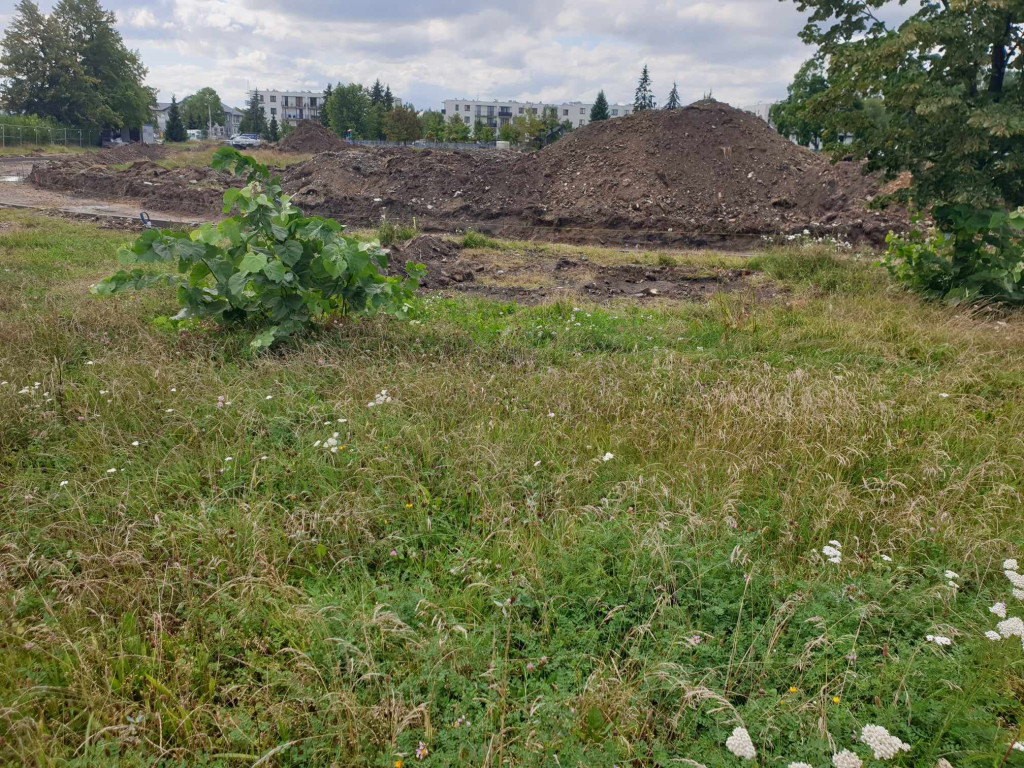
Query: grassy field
point(570, 535)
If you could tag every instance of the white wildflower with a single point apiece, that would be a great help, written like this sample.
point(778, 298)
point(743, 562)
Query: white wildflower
point(993, 636)
point(63, 483)
point(1010, 565)
point(608, 457)
point(228, 458)
point(1019, 746)
point(169, 410)
point(999, 609)
point(800, 765)
point(882, 743)
point(89, 362)
point(846, 759)
point(1015, 578)
point(1019, 594)
point(270, 397)
point(833, 554)
point(740, 744)
point(887, 558)
point(836, 544)
point(111, 471)
point(1011, 627)
point(952, 575)
point(536, 463)
point(379, 399)
point(939, 640)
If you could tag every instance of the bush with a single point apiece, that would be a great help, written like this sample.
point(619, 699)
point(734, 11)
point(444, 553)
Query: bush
point(389, 233)
point(268, 268)
point(981, 258)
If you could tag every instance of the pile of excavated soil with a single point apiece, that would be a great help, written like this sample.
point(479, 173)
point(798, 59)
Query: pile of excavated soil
point(310, 137)
point(707, 174)
point(129, 153)
point(186, 190)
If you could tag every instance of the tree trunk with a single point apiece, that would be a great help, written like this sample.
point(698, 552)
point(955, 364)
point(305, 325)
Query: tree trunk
point(996, 77)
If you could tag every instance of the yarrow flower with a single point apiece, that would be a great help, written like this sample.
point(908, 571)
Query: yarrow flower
point(379, 399)
point(993, 636)
point(1010, 565)
point(833, 554)
point(882, 743)
point(608, 457)
point(999, 609)
point(1011, 627)
point(952, 575)
point(800, 765)
point(1015, 578)
point(1019, 594)
point(939, 640)
point(846, 759)
point(1019, 746)
point(740, 744)
point(887, 558)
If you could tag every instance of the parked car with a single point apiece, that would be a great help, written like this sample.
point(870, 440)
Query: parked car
point(111, 143)
point(244, 141)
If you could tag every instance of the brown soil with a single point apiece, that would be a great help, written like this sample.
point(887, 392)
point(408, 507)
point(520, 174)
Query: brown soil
point(310, 137)
point(530, 277)
point(705, 175)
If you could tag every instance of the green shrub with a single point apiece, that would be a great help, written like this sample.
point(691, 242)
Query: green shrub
point(269, 268)
point(981, 258)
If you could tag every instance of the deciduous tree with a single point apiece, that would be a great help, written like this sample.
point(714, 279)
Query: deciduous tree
point(791, 116)
point(402, 124)
point(198, 109)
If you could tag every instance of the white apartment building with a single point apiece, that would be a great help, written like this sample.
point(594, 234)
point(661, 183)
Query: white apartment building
point(498, 113)
point(290, 106)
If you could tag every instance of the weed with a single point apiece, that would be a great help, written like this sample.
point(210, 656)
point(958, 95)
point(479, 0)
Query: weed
point(477, 240)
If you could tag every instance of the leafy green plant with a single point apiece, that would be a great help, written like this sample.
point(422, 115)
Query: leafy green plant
point(269, 267)
point(983, 257)
point(390, 232)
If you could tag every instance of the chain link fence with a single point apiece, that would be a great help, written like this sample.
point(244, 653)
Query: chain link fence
point(40, 136)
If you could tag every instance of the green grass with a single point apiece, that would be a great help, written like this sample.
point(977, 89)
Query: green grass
point(467, 571)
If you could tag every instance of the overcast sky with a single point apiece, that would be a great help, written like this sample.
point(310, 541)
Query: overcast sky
point(744, 51)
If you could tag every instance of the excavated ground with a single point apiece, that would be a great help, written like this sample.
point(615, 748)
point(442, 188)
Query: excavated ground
point(705, 175)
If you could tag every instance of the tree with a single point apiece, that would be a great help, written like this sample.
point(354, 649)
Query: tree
point(644, 97)
point(790, 117)
point(952, 119)
point(198, 109)
point(72, 67)
point(175, 130)
point(115, 72)
point(456, 130)
point(346, 109)
point(273, 133)
point(529, 127)
point(507, 132)
point(376, 93)
point(432, 125)
point(324, 120)
point(402, 124)
point(482, 132)
point(373, 121)
point(255, 119)
point(388, 100)
point(673, 98)
point(600, 109)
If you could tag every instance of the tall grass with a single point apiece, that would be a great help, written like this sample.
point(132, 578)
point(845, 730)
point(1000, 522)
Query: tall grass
point(577, 535)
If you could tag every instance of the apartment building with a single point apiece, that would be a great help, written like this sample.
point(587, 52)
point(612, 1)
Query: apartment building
point(498, 113)
point(291, 107)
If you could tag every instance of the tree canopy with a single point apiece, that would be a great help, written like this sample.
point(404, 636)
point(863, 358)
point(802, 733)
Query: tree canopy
point(402, 124)
point(644, 96)
point(791, 116)
point(600, 109)
point(73, 67)
point(197, 109)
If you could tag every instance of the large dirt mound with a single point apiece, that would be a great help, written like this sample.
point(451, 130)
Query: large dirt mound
point(310, 137)
point(129, 153)
point(707, 174)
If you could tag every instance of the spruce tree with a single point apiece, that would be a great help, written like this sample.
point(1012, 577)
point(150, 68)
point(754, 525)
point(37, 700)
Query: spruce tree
point(255, 119)
point(644, 98)
point(376, 93)
point(324, 119)
point(673, 98)
point(175, 130)
point(600, 109)
point(388, 99)
point(272, 132)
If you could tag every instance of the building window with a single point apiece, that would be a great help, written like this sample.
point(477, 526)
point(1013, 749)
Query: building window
point(273, 110)
point(583, 110)
point(261, 98)
point(615, 113)
point(521, 110)
point(467, 120)
point(467, 107)
point(533, 110)
point(312, 101)
point(284, 100)
point(581, 121)
point(273, 99)
point(565, 113)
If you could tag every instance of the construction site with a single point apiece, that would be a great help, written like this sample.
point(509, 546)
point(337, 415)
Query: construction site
point(707, 175)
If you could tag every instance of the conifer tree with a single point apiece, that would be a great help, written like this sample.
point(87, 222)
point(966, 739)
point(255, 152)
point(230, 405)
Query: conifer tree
point(388, 100)
point(600, 109)
point(673, 98)
point(644, 97)
point(273, 134)
point(376, 93)
point(324, 119)
point(255, 119)
point(175, 130)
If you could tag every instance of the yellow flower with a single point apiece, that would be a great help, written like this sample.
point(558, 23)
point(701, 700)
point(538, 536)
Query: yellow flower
point(385, 521)
point(835, 699)
point(792, 689)
point(408, 506)
point(399, 764)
